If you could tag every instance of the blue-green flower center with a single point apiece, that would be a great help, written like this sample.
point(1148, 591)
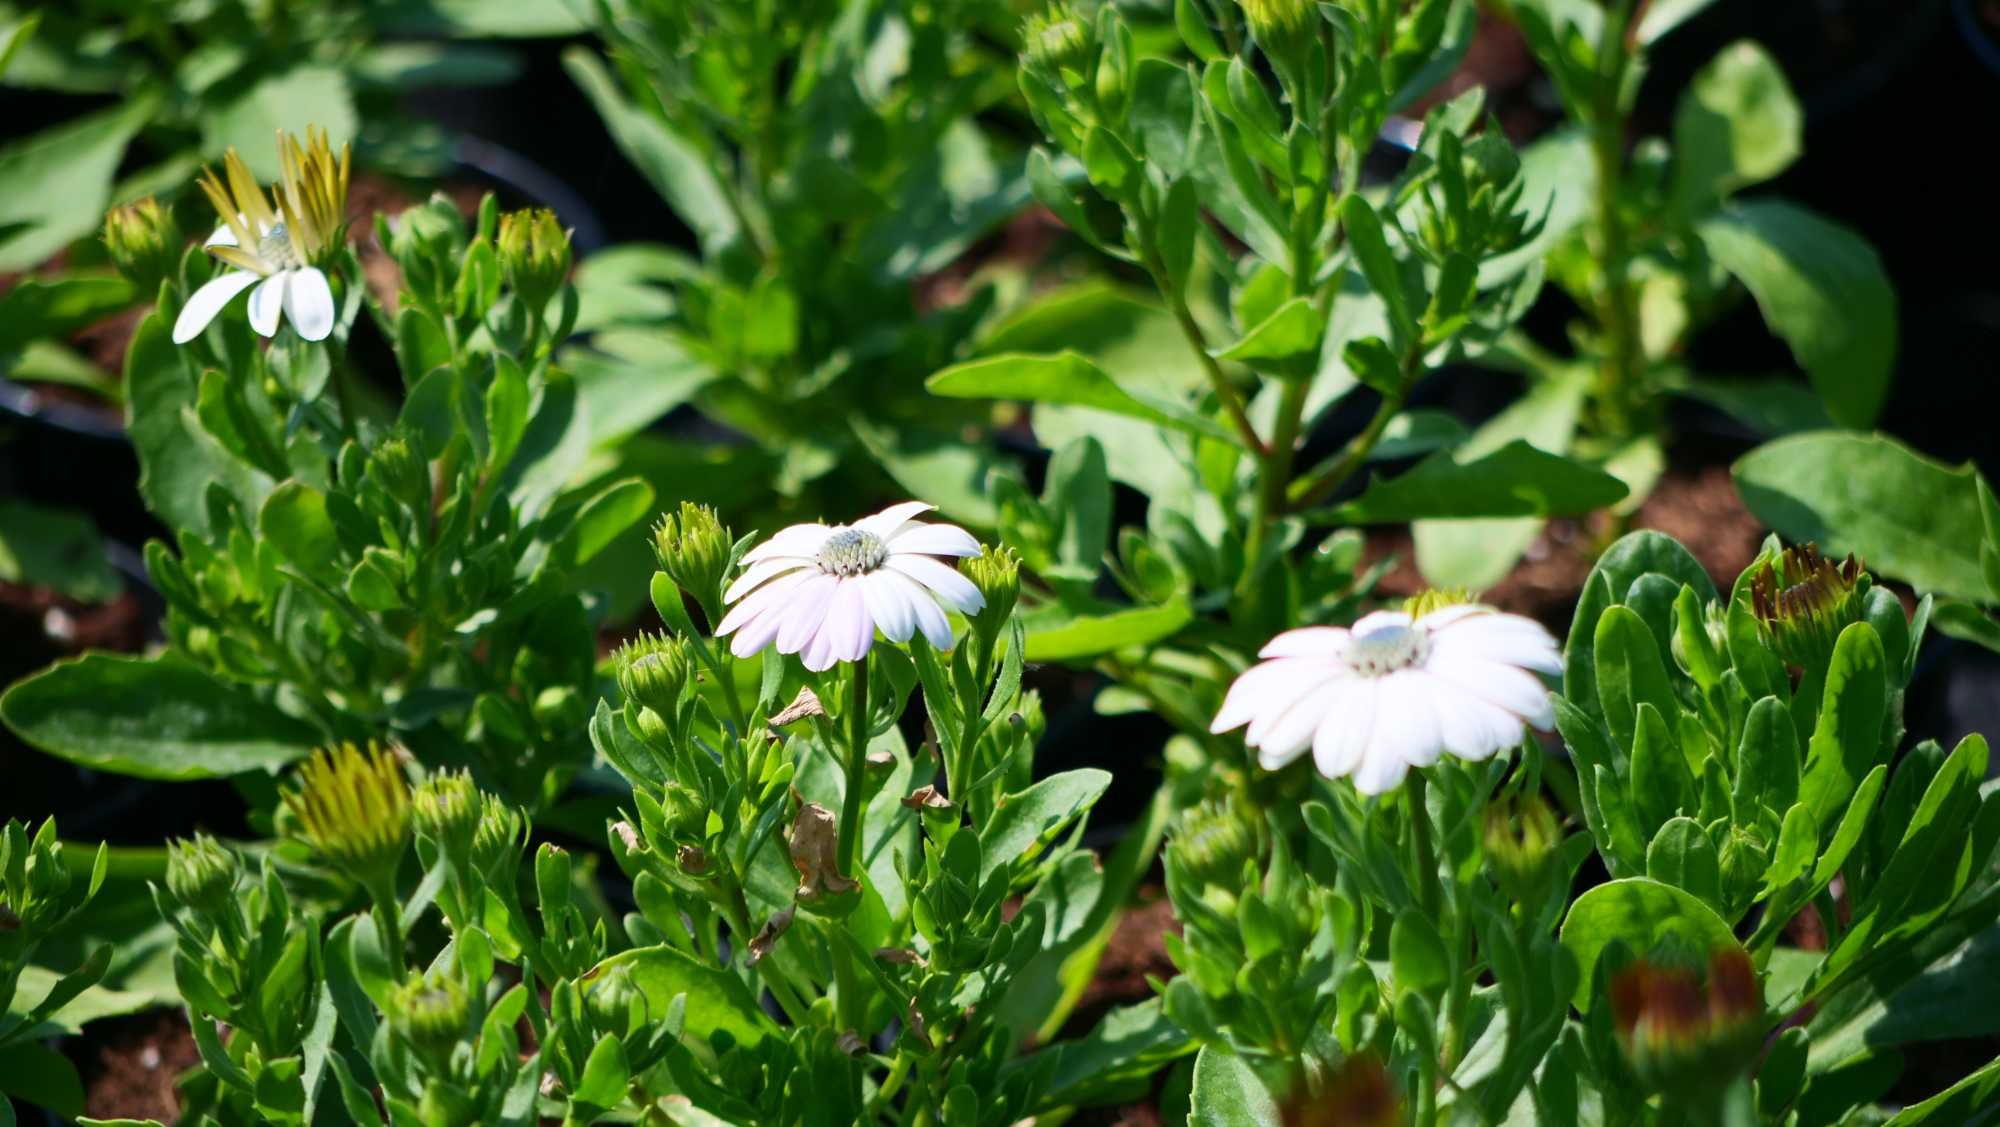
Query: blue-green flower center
point(275, 248)
point(1385, 649)
point(851, 551)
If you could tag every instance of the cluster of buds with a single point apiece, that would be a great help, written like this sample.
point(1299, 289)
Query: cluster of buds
point(1678, 1026)
point(36, 893)
point(1803, 601)
point(653, 672)
point(1470, 200)
point(431, 1012)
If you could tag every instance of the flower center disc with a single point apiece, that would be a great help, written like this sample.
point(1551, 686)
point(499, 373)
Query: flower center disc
point(851, 551)
point(1386, 649)
point(275, 247)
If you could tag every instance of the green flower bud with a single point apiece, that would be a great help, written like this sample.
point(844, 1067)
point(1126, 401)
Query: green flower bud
point(653, 669)
point(1059, 40)
point(1213, 843)
point(694, 549)
point(1275, 22)
point(448, 809)
point(1680, 1029)
point(1519, 840)
point(201, 873)
point(399, 468)
point(1435, 599)
point(496, 846)
point(534, 254)
point(353, 808)
point(144, 243)
point(610, 1000)
point(997, 574)
point(430, 1013)
point(33, 879)
point(1803, 601)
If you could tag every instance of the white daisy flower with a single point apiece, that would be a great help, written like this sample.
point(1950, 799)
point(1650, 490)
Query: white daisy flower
point(274, 248)
point(1394, 692)
point(822, 591)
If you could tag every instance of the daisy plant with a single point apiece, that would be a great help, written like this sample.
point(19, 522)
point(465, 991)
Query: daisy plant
point(356, 552)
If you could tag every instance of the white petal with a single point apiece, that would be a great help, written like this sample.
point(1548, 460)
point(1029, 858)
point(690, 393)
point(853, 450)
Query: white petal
point(1310, 641)
point(1378, 773)
point(1469, 727)
point(266, 301)
point(206, 302)
point(1408, 726)
point(309, 303)
point(1268, 687)
point(1288, 733)
point(1264, 727)
point(953, 588)
point(796, 540)
point(1515, 690)
point(1368, 623)
point(817, 654)
point(886, 523)
point(805, 612)
point(1445, 616)
point(890, 605)
point(934, 540)
point(760, 600)
point(760, 629)
point(923, 604)
point(1507, 639)
point(758, 572)
point(849, 630)
point(223, 237)
point(1344, 732)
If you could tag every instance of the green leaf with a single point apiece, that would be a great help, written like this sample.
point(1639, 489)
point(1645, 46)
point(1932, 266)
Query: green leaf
point(1822, 289)
point(56, 549)
point(155, 718)
point(605, 1074)
point(1847, 738)
point(1074, 638)
point(1378, 263)
point(1515, 480)
point(179, 462)
point(1768, 763)
point(716, 999)
point(1682, 856)
point(1067, 377)
point(55, 184)
point(601, 520)
point(1910, 517)
point(481, 19)
point(1644, 914)
point(1227, 1093)
point(1771, 407)
point(1417, 953)
point(40, 1075)
point(676, 169)
point(294, 521)
point(1738, 124)
point(1289, 334)
point(309, 94)
point(1663, 16)
point(1636, 554)
point(1959, 620)
point(1958, 1104)
point(1030, 816)
point(84, 1006)
point(36, 309)
point(1630, 673)
point(1476, 554)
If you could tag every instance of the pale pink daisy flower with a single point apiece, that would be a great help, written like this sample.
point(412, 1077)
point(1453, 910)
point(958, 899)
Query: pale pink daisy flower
point(1394, 692)
point(822, 591)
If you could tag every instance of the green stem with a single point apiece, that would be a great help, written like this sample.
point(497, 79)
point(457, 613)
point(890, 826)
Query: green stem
point(1617, 308)
point(1274, 474)
point(382, 891)
point(1461, 990)
point(1225, 391)
point(1322, 482)
point(1430, 894)
point(857, 762)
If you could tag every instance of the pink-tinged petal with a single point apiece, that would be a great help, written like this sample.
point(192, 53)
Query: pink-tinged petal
point(1408, 725)
point(309, 303)
point(1343, 734)
point(930, 616)
point(849, 630)
point(796, 540)
point(1309, 641)
point(890, 604)
point(760, 571)
point(1505, 639)
point(934, 540)
point(886, 523)
point(806, 612)
point(817, 654)
point(759, 630)
point(763, 598)
point(955, 589)
point(208, 301)
point(1518, 692)
point(1269, 687)
point(266, 302)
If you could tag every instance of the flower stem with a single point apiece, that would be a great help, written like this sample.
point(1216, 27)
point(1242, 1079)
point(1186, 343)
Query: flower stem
point(1320, 483)
point(1617, 307)
point(382, 890)
point(1430, 895)
point(849, 842)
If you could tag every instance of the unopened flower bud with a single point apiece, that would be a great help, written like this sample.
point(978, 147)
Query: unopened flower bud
point(1434, 599)
point(144, 243)
point(201, 873)
point(653, 669)
point(1276, 24)
point(448, 809)
point(694, 550)
point(609, 1001)
point(1060, 39)
point(1359, 1093)
point(1679, 1028)
point(1803, 601)
point(353, 808)
point(430, 1013)
point(496, 847)
point(534, 254)
point(398, 468)
point(1519, 839)
point(996, 572)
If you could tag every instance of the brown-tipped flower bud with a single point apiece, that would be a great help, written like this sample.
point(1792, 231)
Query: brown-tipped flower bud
point(1679, 1027)
point(1519, 838)
point(144, 243)
point(353, 808)
point(694, 549)
point(1803, 601)
point(201, 872)
point(534, 254)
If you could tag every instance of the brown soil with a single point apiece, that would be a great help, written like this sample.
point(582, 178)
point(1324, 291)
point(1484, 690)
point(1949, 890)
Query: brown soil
point(1134, 951)
point(40, 625)
point(133, 1063)
point(1697, 506)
